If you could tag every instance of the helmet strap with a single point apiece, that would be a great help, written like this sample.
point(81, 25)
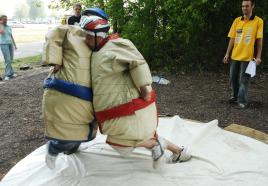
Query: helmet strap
point(95, 47)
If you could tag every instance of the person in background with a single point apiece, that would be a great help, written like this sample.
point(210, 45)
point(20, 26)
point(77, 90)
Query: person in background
point(63, 20)
point(246, 30)
point(75, 19)
point(7, 44)
point(1, 30)
point(1, 26)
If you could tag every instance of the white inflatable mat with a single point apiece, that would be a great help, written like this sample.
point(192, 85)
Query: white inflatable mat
point(220, 158)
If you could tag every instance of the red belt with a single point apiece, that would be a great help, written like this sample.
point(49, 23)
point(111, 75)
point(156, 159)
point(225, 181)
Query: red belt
point(126, 109)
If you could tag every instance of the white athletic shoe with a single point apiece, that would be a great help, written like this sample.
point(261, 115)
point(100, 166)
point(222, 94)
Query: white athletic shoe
point(183, 156)
point(50, 159)
point(82, 147)
point(158, 152)
point(7, 78)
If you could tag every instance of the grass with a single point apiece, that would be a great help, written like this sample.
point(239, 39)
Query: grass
point(25, 35)
point(31, 33)
point(21, 61)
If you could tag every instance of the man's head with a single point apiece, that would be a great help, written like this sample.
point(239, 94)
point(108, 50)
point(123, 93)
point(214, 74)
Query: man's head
point(3, 19)
point(92, 41)
point(96, 29)
point(77, 9)
point(247, 7)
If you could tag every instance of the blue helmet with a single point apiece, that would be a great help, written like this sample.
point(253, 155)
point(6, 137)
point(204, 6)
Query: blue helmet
point(95, 11)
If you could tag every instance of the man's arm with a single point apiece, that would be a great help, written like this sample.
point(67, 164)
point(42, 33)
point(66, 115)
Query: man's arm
point(145, 92)
point(228, 52)
point(131, 59)
point(53, 47)
point(14, 42)
point(259, 50)
point(2, 29)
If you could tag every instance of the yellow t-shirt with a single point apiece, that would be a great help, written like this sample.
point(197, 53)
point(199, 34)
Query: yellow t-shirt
point(245, 33)
point(63, 20)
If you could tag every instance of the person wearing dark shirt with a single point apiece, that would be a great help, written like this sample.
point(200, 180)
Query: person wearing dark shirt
point(75, 19)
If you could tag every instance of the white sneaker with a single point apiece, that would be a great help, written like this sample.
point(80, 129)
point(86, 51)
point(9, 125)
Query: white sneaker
point(242, 105)
point(82, 147)
point(14, 75)
point(158, 152)
point(183, 156)
point(7, 78)
point(50, 159)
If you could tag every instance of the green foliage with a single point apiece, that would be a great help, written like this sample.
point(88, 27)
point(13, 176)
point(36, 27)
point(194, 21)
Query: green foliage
point(33, 60)
point(36, 9)
point(22, 11)
point(67, 4)
point(31, 8)
point(176, 34)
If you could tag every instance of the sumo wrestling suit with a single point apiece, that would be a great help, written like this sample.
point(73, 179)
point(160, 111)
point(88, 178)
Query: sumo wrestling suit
point(118, 71)
point(67, 98)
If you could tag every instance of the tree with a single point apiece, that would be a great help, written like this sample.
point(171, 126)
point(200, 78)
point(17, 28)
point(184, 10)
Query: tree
point(176, 34)
point(119, 16)
point(85, 3)
point(37, 9)
point(22, 11)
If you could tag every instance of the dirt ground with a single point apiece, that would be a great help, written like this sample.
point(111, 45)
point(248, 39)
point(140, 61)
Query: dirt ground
point(196, 97)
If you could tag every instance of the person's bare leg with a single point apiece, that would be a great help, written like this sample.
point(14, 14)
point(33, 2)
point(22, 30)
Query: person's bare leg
point(150, 143)
point(173, 147)
point(157, 146)
point(179, 154)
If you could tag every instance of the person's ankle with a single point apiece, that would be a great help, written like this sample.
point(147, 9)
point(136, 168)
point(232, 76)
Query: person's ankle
point(178, 151)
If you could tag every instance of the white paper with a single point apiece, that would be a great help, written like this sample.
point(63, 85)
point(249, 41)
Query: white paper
point(160, 80)
point(251, 69)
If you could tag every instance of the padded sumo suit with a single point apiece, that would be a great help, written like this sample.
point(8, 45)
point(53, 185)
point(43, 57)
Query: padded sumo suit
point(118, 71)
point(67, 99)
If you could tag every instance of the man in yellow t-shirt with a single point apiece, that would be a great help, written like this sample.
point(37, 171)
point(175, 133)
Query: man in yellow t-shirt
point(246, 30)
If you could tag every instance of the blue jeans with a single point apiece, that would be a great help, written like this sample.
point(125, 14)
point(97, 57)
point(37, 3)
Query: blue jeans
point(8, 53)
point(55, 147)
point(239, 81)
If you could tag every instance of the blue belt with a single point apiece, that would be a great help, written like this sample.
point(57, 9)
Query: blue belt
point(69, 88)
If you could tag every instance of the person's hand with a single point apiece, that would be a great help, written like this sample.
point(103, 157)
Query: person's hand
point(145, 93)
point(56, 68)
point(226, 59)
point(16, 48)
point(258, 61)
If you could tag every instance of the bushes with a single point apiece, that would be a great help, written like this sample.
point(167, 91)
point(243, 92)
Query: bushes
point(176, 34)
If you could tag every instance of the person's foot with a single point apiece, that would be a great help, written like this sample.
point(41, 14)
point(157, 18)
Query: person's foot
point(50, 159)
point(82, 147)
point(7, 78)
point(14, 75)
point(158, 152)
point(183, 156)
point(242, 105)
point(233, 100)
